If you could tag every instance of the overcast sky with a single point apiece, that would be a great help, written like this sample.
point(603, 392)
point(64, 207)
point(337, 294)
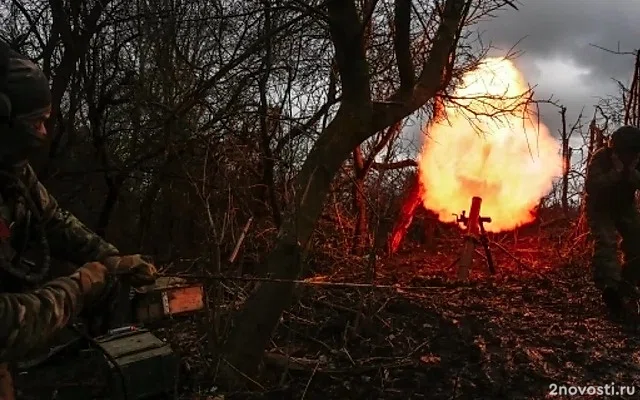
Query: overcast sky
point(556, 36)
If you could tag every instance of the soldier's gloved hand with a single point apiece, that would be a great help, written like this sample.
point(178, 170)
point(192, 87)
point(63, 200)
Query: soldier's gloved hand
point(96, 283)
point(138, 269)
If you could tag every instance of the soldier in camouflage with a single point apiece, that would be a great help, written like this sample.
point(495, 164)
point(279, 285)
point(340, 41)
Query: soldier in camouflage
point(34, 228)
point(612, 179)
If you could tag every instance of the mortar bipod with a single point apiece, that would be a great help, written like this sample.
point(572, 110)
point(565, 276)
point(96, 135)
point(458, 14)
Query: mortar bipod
point(484, 240)
point(475, 234)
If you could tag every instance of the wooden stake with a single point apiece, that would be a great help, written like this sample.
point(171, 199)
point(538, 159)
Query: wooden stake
point(233, 255)
point(473, 229)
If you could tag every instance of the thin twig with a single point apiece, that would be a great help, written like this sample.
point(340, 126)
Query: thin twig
point(309, 381)
point(243, 374)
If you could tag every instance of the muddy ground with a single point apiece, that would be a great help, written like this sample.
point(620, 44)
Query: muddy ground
point(539, 322)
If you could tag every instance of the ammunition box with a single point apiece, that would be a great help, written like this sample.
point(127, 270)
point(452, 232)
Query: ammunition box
point(168, 297)
point(144, 365)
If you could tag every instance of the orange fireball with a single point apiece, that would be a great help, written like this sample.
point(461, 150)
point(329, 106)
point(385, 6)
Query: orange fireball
point(490, 145)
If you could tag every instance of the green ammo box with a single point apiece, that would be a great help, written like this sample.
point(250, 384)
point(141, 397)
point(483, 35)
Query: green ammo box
point(144, 364)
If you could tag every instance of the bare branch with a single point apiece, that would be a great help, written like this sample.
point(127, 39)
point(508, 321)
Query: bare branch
point(346, 33)
point(394, 165)
point(400, 105)
point(617, 52)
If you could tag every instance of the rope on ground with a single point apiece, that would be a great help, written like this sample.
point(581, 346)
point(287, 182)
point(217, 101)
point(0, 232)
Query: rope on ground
point(308, 282)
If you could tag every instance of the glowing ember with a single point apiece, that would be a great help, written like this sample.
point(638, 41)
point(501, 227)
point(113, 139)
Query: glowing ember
point(507, 158)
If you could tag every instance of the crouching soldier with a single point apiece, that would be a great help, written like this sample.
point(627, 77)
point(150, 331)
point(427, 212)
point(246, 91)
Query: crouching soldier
point(611, 183)
point(34, 228)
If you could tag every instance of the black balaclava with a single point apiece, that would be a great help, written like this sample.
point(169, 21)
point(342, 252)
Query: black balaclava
point(27, 89)
point(625, 141)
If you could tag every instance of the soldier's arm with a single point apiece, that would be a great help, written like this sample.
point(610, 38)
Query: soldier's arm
point(29, 320)
point(69, 239)
point(634, 178)
point(599, 177)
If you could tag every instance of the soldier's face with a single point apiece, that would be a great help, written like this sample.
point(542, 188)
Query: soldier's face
point(27, 135)
point(37, 121)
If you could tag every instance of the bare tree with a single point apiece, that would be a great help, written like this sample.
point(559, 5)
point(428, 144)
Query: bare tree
point(179, 121)
point(359, 117)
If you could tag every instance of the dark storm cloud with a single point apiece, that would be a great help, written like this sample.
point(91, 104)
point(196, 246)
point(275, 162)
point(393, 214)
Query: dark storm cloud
point(556, 37)
point(567, 28)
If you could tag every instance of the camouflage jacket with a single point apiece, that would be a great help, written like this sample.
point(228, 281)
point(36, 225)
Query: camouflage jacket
point(69, 239)
point(28, 319)
point(607, 188)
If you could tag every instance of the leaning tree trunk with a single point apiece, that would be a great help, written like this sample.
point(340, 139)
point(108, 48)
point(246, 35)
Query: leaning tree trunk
point(632, 103)
point(566, 162)
point(360, 236)
point(357, 119)
point(413, 196)
point(410, 202)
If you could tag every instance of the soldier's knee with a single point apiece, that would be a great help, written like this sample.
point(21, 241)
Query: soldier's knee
point(604, 237)
point(605, 272)
point(605, 254)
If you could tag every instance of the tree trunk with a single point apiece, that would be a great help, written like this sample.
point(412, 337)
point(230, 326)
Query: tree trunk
point(114, 185)
point(360, 241)
point(263, 308)
point(356, 120)
point(566, 162)
point(632, 106)
point(410, 201)
point(413, 197)
point(75, 46)
point(269, 121)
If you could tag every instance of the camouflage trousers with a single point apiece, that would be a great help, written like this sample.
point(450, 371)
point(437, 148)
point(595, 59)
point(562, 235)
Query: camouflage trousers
point(604, 229)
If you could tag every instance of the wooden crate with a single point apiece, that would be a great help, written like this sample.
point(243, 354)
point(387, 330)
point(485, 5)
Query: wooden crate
point(168, 297)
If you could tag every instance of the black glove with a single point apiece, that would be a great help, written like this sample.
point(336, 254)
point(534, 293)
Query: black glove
point(137, 269)
point(101, 289)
